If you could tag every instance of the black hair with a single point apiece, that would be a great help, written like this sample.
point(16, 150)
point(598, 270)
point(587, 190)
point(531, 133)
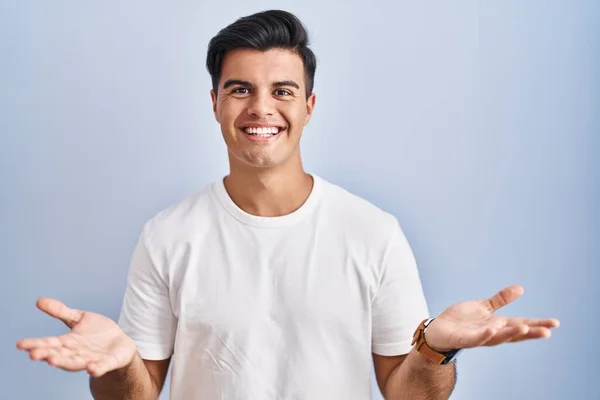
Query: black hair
point(266, 30)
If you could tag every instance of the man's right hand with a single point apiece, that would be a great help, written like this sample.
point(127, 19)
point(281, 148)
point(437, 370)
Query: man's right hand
point(95, 343)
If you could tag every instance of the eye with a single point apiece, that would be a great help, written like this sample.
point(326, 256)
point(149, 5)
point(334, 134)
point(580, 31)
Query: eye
point(241, 90)
point(283, 92)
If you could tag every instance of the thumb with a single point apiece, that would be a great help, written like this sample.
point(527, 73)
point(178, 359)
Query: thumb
point(57, 309)
point(503, 297)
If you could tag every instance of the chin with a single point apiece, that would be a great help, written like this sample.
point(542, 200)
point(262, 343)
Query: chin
point(253, 161)
point(257, 159)
point(261, 163)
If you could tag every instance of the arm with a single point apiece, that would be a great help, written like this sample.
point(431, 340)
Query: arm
point(147, 318)
point(118, 360)
point(398, 308)
point(463, 325)
point(140, 380)
point(97, 345)
point(412, 376)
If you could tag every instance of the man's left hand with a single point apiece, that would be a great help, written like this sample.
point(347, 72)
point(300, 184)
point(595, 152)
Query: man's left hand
point(473, 324)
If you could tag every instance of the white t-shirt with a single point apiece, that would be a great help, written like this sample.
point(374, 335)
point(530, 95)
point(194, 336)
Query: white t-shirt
point(272, 308)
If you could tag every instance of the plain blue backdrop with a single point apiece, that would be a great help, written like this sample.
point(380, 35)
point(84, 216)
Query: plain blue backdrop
point(475, 123)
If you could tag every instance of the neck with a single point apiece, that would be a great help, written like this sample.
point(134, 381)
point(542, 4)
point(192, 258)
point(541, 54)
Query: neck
point(269, 192)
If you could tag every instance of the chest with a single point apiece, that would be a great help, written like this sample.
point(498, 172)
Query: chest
point(245, 280)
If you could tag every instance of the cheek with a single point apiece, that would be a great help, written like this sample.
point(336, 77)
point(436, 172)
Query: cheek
point(295, 115)
point(229, 118)
point(229, 112)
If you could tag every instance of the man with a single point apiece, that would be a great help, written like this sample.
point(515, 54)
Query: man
point(273, 283)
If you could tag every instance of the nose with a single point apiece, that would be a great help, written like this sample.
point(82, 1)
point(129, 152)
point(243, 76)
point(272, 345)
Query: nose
point(261, 105)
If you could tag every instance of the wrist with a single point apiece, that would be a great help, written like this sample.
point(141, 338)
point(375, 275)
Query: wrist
point(131, 364)
point(437, 352)
point(435, 347)
point(134, 363)
point(431, 336)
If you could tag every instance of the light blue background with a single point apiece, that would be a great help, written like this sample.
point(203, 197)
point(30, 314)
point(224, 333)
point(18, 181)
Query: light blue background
point(476, 123)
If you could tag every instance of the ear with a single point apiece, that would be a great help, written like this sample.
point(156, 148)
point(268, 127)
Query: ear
point(310, 106)
point(213, 98)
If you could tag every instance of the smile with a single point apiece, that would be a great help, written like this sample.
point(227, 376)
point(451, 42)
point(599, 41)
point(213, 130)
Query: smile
point(262, 131)
point(262, 134)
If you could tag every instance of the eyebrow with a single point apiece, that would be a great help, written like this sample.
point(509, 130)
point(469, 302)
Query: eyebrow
point(286, 83)
point(232, 82)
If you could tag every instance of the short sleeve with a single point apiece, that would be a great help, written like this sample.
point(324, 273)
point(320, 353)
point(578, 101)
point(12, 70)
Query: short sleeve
point(146, 315)
point(399, 305)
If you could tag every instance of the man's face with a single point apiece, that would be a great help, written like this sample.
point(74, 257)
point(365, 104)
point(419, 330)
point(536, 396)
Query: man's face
point(262, 106)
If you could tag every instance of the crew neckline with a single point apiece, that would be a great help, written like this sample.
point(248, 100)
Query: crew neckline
point(268, 222)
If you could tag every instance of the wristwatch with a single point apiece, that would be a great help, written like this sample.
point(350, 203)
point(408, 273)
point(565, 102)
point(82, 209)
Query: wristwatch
point(423, 348)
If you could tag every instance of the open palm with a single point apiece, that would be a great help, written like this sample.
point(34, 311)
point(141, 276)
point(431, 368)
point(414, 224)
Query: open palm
point(473, 323)
point(95, 343)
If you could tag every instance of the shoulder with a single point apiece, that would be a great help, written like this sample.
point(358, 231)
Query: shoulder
point(182, 219)
point(356, 215)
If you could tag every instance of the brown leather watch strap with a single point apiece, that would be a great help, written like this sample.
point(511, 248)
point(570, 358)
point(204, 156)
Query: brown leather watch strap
point(422, 347)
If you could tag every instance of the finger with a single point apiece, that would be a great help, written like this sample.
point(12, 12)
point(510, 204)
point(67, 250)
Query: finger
point(58, 310)
point(503, 297)
point(42, 353)
point(533, 333)
point(32, 343)
point(506, 334)
point(538, 322)
point(546, 323)
point(68, 363)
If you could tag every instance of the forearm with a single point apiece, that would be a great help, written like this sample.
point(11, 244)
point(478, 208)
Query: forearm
point(131, 383)
point(417, 378)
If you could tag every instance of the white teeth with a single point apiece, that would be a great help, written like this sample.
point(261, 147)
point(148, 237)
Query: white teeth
point(264, 131)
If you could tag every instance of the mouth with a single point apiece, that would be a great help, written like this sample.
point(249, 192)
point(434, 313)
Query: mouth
point(262, 133)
